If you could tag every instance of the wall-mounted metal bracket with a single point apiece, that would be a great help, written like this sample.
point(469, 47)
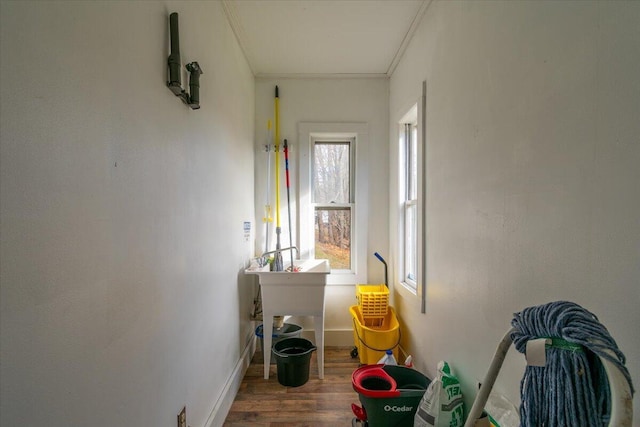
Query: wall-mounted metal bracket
point(175, 83)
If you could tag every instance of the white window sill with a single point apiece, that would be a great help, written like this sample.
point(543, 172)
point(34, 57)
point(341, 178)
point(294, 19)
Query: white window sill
point(341, 279)
point(406, 291)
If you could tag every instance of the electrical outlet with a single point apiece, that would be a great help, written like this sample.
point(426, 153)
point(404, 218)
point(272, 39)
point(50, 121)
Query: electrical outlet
point(182, 417)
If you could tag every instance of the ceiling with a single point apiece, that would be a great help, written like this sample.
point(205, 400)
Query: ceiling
point(324, 37)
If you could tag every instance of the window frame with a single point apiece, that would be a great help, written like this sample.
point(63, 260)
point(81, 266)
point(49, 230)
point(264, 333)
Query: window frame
point(414, 110)
point(409, 198)
point(308, 133)
point(418, 108)
point(350, 205)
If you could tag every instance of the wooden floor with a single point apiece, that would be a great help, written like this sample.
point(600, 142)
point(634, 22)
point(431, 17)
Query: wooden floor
point(327, 402)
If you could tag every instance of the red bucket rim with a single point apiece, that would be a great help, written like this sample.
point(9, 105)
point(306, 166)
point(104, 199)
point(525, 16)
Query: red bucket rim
point(373, 371)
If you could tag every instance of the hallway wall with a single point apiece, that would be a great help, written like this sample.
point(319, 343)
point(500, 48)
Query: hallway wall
point(533, 147)
point(121, 215)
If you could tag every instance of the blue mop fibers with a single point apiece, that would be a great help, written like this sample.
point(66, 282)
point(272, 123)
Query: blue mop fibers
point(572, 389)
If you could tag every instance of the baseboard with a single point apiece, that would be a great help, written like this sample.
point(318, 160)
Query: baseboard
point(332, 337)
point(231, 387)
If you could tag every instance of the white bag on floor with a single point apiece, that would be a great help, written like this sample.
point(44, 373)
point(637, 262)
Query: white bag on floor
point(442, 404)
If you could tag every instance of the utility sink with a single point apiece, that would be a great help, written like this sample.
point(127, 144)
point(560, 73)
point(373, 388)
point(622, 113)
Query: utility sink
point(309, 272)
point(299, 293)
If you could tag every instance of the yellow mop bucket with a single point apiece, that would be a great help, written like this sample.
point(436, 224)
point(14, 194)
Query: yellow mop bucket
point(374, 336)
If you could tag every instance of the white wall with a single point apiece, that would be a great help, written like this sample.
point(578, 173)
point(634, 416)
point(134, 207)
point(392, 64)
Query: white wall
point(533, 147)
point(121, 215)
point(329, 100)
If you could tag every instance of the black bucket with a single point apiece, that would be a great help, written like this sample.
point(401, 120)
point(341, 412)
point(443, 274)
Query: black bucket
point(288, 330)
point(293, 357)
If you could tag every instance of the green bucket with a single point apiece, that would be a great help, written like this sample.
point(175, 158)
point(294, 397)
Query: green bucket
point(387, 404)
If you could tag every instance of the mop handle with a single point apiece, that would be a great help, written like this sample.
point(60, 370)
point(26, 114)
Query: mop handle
point(386, 280)
point(267, 207)
point(286, 169)
point(286, 162)
point(277, 150)
point(489, 380)
point(269, 143)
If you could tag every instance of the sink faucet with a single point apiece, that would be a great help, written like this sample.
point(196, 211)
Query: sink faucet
point(290, 248)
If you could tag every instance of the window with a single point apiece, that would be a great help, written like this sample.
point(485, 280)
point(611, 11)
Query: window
point(333, 201)
point(333, 217)
point(409, 210)
point(409, 193)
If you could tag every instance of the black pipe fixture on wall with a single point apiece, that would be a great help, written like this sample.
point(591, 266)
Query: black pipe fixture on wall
point(175, 83)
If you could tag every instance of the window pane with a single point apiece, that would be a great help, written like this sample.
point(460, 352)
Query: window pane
point(331, 175)
point(333, 236)
point(412, 163)
point(411, 243)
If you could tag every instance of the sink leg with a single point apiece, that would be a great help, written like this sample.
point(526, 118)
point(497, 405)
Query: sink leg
point(267, 330)
point(319, 327)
